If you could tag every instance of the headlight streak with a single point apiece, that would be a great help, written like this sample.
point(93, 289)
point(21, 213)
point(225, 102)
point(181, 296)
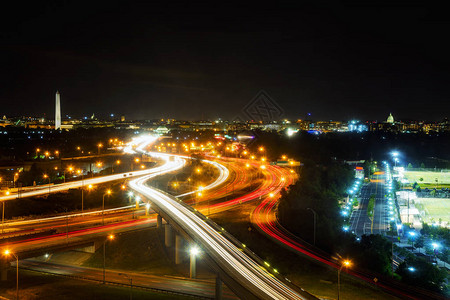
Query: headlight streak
point(225, 253)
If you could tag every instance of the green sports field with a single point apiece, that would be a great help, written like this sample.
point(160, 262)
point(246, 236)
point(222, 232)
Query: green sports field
point(435, 209)
point(428, 177)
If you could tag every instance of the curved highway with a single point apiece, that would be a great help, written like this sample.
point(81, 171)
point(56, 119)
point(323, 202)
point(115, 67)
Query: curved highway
point(231, 259)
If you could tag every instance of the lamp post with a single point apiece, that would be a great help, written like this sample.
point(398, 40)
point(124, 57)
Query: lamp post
point(315, 216)
point(3, 212)
point(412, 235)
point(82, 196)
point(47, 177)
point(147, 208)
point(108, 192)
point(109, 237)
point(345, 263)
point(7, 253)
point(194, 251)
point(99, 145)
point(80, 172)
point(137, 199)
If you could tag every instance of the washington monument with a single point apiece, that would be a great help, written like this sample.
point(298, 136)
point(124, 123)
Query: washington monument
point(57, 112)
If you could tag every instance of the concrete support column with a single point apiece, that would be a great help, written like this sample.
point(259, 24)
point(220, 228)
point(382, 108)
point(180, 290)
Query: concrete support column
point(178, 249)
point(158, 221)
point(168, 235)
point(218, 288)
point(193, 266)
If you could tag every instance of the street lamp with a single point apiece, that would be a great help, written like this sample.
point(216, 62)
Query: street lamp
point(108, 192)
point(137, 199)
point(147, 208)
point(435, 247)
point(99, 146)
point(345, 263)
point(47, 177)
point(412, 235)
point(109, 237)
point(194, 251)
point(7, 253)
point(82, 195)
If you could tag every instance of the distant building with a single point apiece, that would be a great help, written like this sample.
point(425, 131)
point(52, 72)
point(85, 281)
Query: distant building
point(390, 119)
point(357, 126)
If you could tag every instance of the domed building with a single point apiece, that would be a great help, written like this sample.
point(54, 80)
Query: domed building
point(390, 119)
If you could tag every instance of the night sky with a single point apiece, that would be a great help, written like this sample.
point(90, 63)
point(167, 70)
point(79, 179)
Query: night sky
point(207, 60)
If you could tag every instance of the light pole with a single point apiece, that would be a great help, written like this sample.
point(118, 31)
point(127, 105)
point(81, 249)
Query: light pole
point(82, 196)
point(3, 212)
point(99, 145)
point(108, 192)
point(47, 177)
point(345, 263)
point(109, 237)
point(147, 208)
point(7, 253)
point(131, 284)
point(137, 199)
point(412, 234)
point(315, 216)
point(80, 172)
point(194, 251)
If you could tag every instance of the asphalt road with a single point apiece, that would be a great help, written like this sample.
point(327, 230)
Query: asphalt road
point(237, 264)
point(199, 288)
point(360, 223)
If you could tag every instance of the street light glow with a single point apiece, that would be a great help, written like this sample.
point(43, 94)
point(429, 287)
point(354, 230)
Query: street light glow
point(194, 251)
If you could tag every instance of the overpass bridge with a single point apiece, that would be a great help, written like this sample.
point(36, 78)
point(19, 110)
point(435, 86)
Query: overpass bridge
point(241, 273)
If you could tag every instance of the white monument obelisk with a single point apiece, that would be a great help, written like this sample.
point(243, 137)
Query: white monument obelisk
point(57, 112)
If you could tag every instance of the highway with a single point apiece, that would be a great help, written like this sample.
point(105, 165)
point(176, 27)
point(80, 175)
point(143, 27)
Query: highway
point(44, 189)
point(183, 286)
point(60, 222)
point(244, 270)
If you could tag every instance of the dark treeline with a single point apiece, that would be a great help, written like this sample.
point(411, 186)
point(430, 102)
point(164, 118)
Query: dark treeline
point(320, 189)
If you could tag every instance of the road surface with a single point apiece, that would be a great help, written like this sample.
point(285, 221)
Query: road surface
point(360, 223)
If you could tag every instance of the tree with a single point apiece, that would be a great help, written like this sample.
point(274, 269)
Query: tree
point(422, 166)
point(424, 275)
point(409, 166)
point(420, 242)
